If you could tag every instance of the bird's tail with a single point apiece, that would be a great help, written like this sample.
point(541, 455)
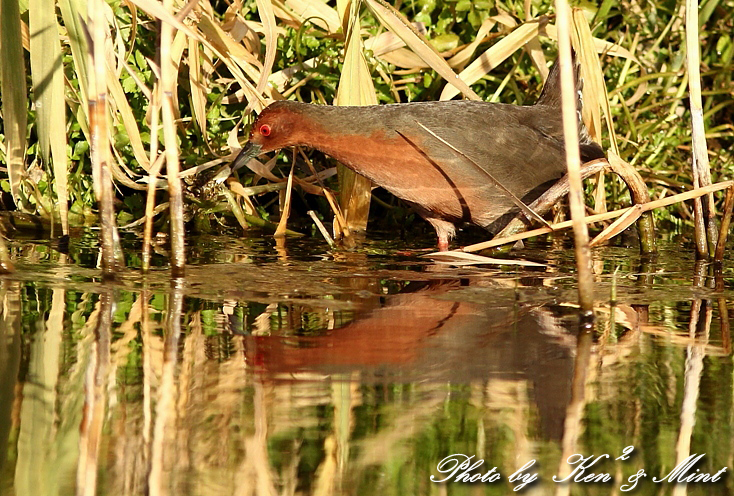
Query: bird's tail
point(550, 96)
point(551, 93)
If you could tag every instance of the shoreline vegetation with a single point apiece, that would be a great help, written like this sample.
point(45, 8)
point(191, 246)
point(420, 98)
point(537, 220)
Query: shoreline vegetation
point(105, 105)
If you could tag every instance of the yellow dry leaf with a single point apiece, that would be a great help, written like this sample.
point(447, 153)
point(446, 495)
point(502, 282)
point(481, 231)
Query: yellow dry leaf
point(355, 88)
point(196, 83)
point(316, 12)
point(393, 20)
point(463, 56)
point(495, 55)
point(265, 9)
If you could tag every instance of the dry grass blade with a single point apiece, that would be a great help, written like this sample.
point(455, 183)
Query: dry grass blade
point(339, 222)
point(355, 82)
point(517, 201)
point(138, 82)
point(239, 214)
point(177, 50)
point(316, 12)
point(154, 111)
point(267, 17)
point(196, 82)
point(494, 56)
point(395, 22)
point(460, 258)
point(125, 112)
point(355, 88)
point(282, 78)
point(405, 59)
point(236, 187)
point(264, 170)
point(594, 89)
point(150, 200)
point(322, 229)
point(639, 194)
point(465, 54)
point(343, 7)
point(186, 9)
point(248, 191)
point(619, 225)
point(157, 11)
point(15, 101)
point(234, 56)
point(646, 207)
point(602, 46)
point(535, 51)
point(607, 48)
point(286, 211)
point(72, 11)
point(594, 95)
point(387, 42)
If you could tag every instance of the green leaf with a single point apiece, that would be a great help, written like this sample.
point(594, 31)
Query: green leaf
point(14, 102)
point(463, 5)
point(47, 71)
point(445, 42)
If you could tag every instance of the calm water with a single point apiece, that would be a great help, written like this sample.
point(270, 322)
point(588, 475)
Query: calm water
point(297, 371)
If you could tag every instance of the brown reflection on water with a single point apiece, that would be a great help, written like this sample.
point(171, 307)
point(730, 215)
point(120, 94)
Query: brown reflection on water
point(423, 335)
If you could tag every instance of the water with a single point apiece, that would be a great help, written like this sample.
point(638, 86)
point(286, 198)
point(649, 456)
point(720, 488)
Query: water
point(293, 370)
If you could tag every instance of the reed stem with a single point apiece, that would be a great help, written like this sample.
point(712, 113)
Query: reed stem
point(706, 232)
point(573, 159)
point(100, 139)
point(168, 84)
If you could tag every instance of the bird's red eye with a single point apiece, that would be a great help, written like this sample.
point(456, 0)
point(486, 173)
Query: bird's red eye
point(265, 130)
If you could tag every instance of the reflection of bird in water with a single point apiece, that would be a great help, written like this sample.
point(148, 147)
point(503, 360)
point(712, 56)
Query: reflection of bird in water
point(423, 334)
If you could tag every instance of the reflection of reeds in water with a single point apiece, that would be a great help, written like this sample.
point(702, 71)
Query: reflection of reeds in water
point(282, 412)
point(218, 423)
point(10, 342)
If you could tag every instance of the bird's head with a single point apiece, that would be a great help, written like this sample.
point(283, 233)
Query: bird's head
point(276, 127)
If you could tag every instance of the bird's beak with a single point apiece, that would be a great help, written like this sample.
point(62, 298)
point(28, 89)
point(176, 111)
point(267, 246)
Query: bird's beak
point(250, 151)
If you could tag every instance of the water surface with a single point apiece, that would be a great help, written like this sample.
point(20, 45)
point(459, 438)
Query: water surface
point(294, 370)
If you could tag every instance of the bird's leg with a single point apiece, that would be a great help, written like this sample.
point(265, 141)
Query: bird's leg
point(445, 230)
point(443, 244)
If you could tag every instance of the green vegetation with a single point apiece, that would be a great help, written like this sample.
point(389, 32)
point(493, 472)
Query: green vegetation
point(222, 60)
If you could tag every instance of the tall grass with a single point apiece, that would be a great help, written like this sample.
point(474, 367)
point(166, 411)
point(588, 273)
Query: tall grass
point(222, 62)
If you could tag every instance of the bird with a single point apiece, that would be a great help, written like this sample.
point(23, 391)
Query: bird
point(409, 149)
